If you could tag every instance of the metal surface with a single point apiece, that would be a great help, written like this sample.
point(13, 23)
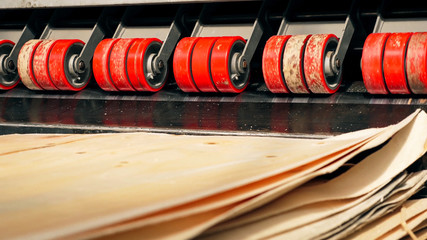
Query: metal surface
point(14, 4)
point(254, 112)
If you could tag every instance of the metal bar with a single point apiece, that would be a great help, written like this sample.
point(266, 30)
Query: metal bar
point(99, 31)
point(13, 4)
point(30, 31)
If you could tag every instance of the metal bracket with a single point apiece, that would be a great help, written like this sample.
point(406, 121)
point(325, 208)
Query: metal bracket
point(31, 30)
point(99, 31)
point(343, 29)
point(253, 32)
point(399, 24)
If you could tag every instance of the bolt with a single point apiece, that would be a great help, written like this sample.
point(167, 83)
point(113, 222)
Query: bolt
point(82, 65)
point(234, 77)
point(161, 64)
point(11, 65)
point(338, 63)
point(244, 64)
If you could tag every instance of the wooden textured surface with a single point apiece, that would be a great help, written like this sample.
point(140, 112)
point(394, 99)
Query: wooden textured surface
point(78, 186)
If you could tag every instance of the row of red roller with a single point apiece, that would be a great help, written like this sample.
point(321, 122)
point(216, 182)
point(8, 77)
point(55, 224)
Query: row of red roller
point(395, 63)
point(392, 63)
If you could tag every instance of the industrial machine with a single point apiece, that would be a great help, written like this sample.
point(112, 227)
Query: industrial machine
point(287, 68)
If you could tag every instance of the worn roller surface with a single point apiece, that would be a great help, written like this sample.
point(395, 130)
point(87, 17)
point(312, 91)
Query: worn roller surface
point(272, 64)
point(372, 63)
point(40, 65)
point(134, 64)
point(59, 65)
point(314, 61)
point(221, 61)
point(25, 66)
point(416, 63)
point(394, 63)
point(118, 64)
point(293, 64)
point(182, 64)
point(201, 64)
point(100, 64)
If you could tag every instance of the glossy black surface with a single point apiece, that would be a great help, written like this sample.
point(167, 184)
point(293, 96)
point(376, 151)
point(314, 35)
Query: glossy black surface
point(254, 112)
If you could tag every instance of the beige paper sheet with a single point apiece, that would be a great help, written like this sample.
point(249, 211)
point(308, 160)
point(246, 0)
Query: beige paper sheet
point(379, 227)
point(54, 190)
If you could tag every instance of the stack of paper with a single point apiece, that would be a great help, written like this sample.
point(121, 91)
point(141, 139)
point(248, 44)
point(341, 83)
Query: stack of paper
point(155, 186)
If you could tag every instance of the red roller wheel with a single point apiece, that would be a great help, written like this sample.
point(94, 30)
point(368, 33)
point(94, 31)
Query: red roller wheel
point(318, 46)
point(272, 64)
point(394, 63)
point(118, 68)
point(40, 65)
point(416, 63)
point(293, 57)
point(133, 64)
point(182, 64)
point(137, 62)
point(224, 52)
point(7, 80)
point(200, 68)
point(372, 63)
point(100, 64)
point(25, 64)
point(59, 59)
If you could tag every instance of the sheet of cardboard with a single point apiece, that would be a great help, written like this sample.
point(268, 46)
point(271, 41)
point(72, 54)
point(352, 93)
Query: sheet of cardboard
point(84, 183)
point(380, 227)
point(344, 186)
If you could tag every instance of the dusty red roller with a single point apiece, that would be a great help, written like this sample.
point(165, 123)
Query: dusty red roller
point(40, 65)
point(182, 64)
point(416, 63)
point(372, 63)
point(314, 63)
point(201, 60)
point(118, 68)
point(100, 64)
point(394, 63)
point(272, 64)
point(222, 55)
point(293, 58)
point(133, 64)
point(25, 64)
point(59, 65)
point(137, 62)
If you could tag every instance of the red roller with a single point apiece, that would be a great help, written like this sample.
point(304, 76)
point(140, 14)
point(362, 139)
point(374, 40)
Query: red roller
point(118, 68)
point(136, 65)
point(314, 61)
point(221, 58)
point(58, 64)
point(100, 64)
point(293, 57)
point(416, 63)
point(25, 64)
point(7, 81)
point(394, 63)
point(372, 63)
point(272, 64)
point(40, 65)
point(182, 64)
point(200, 68)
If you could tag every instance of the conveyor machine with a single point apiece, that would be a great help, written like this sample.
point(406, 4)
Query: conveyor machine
point(300, 68)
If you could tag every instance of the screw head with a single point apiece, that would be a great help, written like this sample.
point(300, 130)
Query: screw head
point(82, 65)
point(161, 64)
point(11, 65)
point(338, 63)
point(244, 64)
